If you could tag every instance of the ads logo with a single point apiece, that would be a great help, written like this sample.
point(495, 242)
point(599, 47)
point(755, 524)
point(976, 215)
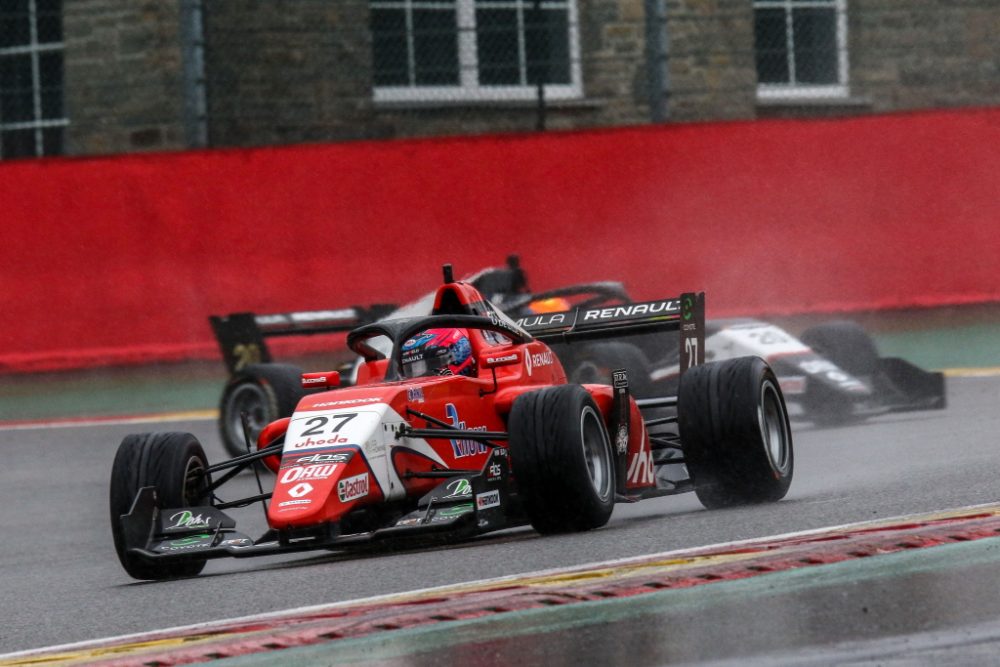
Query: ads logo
point(353, 488)
point(300, 490)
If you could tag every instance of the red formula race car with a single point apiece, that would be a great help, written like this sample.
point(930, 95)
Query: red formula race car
point(467, 426)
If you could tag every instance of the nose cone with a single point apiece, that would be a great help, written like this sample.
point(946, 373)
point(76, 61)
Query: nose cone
point(327, 465)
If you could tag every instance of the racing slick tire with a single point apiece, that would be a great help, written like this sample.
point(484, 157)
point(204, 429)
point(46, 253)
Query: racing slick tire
point(266, 392)
point(562, 459)
point(850, 347)
point(593, 364)
point(173, 463)
point(735, 433)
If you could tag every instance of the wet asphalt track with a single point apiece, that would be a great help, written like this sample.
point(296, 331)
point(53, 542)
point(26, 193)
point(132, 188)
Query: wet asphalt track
point(62, 583)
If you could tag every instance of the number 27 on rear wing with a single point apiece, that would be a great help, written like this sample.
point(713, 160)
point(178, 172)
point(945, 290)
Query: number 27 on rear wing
point(684, 314)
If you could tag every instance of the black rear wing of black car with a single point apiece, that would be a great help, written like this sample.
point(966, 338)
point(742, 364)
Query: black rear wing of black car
point(241, 336)
point(684, 314)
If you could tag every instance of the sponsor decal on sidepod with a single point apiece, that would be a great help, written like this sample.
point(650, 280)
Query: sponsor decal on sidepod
point(463, 448)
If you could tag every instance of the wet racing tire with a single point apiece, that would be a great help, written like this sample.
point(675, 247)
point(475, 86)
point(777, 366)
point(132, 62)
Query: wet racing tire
point(594, 362)
point(173, 463)
point(266, 392)
point(562, 459)
point(735, 433)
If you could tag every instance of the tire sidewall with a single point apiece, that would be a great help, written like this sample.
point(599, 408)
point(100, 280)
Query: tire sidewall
point(727, 413)
point(548, 430)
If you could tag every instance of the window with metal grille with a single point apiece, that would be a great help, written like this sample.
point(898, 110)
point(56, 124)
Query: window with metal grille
point(801, 48)
point(32, 118)
point(467, 50)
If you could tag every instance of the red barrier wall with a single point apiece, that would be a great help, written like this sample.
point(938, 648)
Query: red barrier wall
point(112, 260)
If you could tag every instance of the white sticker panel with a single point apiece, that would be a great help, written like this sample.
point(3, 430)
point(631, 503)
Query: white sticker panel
point(335, 428)
point(762, 339)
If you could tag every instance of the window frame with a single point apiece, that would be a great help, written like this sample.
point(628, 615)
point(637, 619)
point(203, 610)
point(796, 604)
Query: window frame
point(34, 48)
point(468, 89)
point(799, 91)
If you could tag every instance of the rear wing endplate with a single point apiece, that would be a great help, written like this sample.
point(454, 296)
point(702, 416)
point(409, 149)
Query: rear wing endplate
point(684, 314)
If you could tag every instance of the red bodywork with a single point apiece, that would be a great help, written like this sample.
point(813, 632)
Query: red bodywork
point(341, 451)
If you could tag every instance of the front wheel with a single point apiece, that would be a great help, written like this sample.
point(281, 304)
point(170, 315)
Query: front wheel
point(735, 433)
point(173, 463)
point(562, 460)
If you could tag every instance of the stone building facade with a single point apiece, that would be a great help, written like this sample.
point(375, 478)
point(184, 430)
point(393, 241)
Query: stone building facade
point(168, 75)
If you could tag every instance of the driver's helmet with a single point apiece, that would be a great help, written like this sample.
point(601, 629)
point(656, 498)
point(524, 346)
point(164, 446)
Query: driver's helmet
point(438, 352)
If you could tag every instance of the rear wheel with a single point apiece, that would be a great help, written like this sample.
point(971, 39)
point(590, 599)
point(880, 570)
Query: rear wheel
point(562, 459)
point(593, 364)
point(173, 463)
point(266, 392)
point(735, 433)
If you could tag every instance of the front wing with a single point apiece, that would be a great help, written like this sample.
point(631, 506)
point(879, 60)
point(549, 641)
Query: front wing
point(484, 504)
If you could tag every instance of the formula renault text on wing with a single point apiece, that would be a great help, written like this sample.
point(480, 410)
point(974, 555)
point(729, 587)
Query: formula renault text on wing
point(418, 450)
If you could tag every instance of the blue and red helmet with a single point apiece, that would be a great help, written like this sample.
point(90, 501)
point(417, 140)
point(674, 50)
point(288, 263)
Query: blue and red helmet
point(438, 352)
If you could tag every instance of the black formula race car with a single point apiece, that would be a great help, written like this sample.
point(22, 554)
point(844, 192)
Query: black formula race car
point(831, 375)
point(419, 450)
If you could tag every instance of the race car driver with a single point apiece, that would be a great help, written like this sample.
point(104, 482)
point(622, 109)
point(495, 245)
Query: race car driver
point(438, 352)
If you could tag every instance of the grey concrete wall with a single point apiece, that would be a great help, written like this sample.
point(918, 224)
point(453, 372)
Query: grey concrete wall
point(287, 71)
point(123, 86)
point(925, 53)
point(290, 71)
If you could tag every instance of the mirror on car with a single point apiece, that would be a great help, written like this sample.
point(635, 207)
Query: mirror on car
point(321, 380)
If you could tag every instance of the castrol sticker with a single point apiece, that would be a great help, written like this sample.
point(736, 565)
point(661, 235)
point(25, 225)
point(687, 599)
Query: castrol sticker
point(352, 488)
point(330, 429)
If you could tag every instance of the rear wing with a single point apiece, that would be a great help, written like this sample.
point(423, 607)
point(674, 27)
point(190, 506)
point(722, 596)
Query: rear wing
point(241, 335)
point(684, 314)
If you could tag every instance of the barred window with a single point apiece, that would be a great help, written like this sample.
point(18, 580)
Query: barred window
point(801, 48)
point(32, 118)
point(462, 50)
